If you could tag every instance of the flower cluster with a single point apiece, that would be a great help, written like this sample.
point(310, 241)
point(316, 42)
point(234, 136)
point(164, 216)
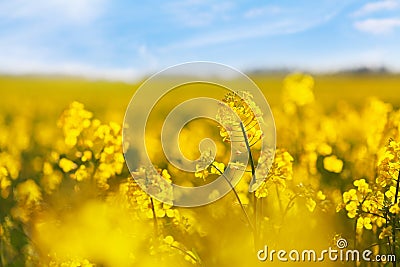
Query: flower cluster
point(93, 150)
point(249, 114)
point(297, 91)
point(375, 205)
point(389, 165)
point(281, 172)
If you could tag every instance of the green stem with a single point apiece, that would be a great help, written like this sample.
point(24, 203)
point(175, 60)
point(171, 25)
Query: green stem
point(155, 222)
point(355, 238)
point(396, 195)
point(236, 195)
point(253, 180)
point(397, 189)
point(355, 232)
point(2, 258)
point(246, 140)
point(386, 225)
point(375, 214)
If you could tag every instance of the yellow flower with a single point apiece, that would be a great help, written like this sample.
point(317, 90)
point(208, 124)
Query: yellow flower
point(378, 198)
point(380, 221)
point(262, 190)
point(362, 186)
point(364, 222)
point(389, 164)
point(217, 168)
point(324, 149)
point(249, 113)
point(340, 206)
point(73, 121)
point(81, 173)
point(5, 182)
point(67, 165)
point(28, 193)
point(203, 174)
point(350, 195)
point(333, 164)
point(395, 209)
point(298, 89)
point(169, 240)
point(115, 127)
point(320, 195)
point(10, 164)
point(386, 231)
point(87, 155)
point(170, 213)
point(166, 175)
point(390, 194)
point(280, 172)
point(351, 209)
point(47, 168)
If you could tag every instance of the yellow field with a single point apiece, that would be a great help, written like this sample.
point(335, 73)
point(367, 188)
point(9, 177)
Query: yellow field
point(67, 198)
point(57, 93)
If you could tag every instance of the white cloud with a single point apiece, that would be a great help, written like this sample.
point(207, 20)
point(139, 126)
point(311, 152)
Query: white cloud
point(30, 48)
point(260, 28)
point(146, 55)
point(262, 11)
point(33, 60)
point(195, 13)
point(372, 7)
point(27, 67)
point(240, 33)
point(70, 11)
point(378, 26)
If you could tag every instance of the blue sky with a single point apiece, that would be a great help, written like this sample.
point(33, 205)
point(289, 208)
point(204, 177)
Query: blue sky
point(124, 40)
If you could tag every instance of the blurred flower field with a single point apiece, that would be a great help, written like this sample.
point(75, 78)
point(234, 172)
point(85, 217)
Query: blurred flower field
point(68, 199)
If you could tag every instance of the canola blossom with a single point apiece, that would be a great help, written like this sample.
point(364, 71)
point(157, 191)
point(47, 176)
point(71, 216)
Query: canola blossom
point(68, 198)
point(243, 116)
